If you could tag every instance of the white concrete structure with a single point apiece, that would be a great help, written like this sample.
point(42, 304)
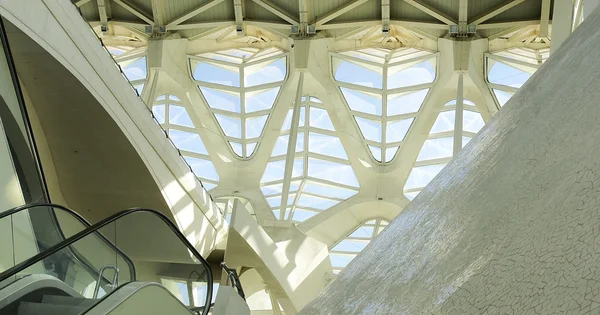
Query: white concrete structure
point(324, 118)
point(509, 226)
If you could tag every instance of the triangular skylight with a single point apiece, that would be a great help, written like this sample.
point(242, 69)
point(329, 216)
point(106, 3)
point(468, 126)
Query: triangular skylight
point(321, 174)
point(172, 115)
point(384, 107)
point(241, 87)
point(133, 64)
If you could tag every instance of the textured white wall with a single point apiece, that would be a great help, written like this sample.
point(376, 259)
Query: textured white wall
point(511, 226)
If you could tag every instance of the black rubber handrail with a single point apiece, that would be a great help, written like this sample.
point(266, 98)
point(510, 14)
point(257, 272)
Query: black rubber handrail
point(235, 280)
point(94, 228)
point(79, 218)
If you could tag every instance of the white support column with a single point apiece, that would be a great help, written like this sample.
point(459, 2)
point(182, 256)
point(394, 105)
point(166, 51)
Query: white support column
point(589, 6)
point(562, 22)
point(458, 116)
point(291, 149)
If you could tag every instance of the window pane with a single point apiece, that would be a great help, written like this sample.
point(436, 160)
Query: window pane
point(326, 145)
point(302, 215)
point(316, 202)
point(501, 73)
point(217, 73)
point(187, 141)
point(396, 130)
point(319, 118)
point(331, 171)
point(340, 261)
point(502, 96)
point(179, 116)
point(237, 148)
point(376, 152)
point(135, 70)
point(202, 168)
point(261, 100)
point(365, 75)
point(420, 176)
point(159, 113)
point(370, 129)
point(255, 126)
point(472, 121)
point(363, 232)
point(405, 103)
point(420, 73)
point(390, 153)
point(232, 127)
point(327, 190)
point(444, 122)
point(282, 143)
point(436, 149)
point(362, 102)
point(250, 147)
point(287, 123)
point(222, 100)
point(350, 246)
point(266, 72)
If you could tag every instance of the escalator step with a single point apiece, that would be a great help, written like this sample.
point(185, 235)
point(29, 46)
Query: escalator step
point(29, 308)
point(67, 300)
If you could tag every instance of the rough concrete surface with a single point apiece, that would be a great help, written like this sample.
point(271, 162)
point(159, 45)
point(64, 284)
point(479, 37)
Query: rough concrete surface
point(511, 226)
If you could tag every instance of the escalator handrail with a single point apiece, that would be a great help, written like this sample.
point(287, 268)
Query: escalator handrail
point(81, 220)
point(235, 280)
point(94, 229)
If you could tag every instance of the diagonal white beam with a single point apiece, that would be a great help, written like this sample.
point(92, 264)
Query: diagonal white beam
point(238, 11)
point(158, 12)
point(339, 11)
point(136, 11)
point(545, 18)
point(353, 32)
point(499, 9)
point(193, 13)
point(209, 32)
point(385, 15)
point(431, 11)
point(291, 149)
point(277, 11)
point(103, 14)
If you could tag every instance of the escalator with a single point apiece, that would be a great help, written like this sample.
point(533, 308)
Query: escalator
point(112, 267)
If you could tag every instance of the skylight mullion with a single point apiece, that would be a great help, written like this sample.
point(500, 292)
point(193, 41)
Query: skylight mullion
point(357, 87)
point(468, 134)
point(319, 195)
point(215, 61)
point(324, 131)
point(355, 59)
point(217, 86)
point(402, 116)
point(243, 111)
point(299, 192)
point(265, 60)
point(502, 87)
point(195, 155)
point(326, 157)
point(445, 134)
point(384, 100)
point(412, 88)
point(265, 86)
point(508, 61)
point(415, 60)
point(330, 183)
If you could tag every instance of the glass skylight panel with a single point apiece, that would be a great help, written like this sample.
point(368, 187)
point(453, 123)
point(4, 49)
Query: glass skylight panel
point(159, 113)
point(135, 69)
point(444, 122)
point(376, 152)
point(348, 245)
point(363, 232)
point(323, 183)
point(396, 130)
point(502, 96)
point(472, 121)
point(370, 129)
point(390, 153)
point(187, 141)
point(251, 80)
point(405, 103)
point(412, 195)
point(436, 148)
point(332, 171)
point(255, 126)
point(261, 100)
point(223, 100)
point(203, 168)
point(319, 118)
point(232, 127)
point(501, 73)
point(139, 88)
point(420, 176)
point(326, 145)
point(421, 73)
point(179, 116)
point(363, 102)
point(217, 74)
point(264, 73)
point(374, 110)
point(359, 74)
